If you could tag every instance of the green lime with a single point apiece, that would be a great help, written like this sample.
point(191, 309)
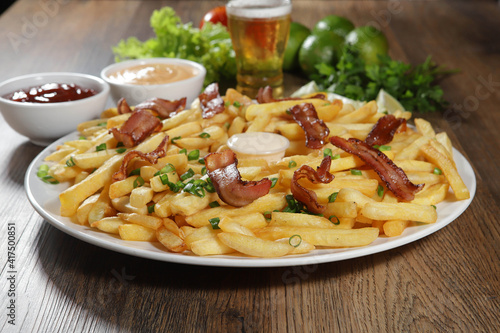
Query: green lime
point(337, 24)
point(369, 41)
point(298, 33)
point(323, 47)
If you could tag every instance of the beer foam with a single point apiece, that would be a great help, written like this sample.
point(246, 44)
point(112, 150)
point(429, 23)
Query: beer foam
point(260, 9)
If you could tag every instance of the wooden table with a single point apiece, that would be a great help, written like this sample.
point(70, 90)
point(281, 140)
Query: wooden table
point(448, 281)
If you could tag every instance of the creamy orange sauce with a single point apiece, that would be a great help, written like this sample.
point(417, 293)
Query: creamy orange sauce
point(150, 74)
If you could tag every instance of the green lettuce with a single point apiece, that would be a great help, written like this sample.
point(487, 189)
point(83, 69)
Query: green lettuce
point(210, 46)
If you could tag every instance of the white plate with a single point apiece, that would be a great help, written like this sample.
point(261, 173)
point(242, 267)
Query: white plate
point(45, 199)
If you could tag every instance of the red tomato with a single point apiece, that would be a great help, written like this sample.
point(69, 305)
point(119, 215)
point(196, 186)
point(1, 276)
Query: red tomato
point(216, 15)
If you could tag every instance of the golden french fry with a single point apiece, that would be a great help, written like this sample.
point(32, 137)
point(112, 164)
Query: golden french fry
point(358, 116)
point(395, 228)
point(148, 221)
point(399, 211)
point(135, 232)
point(140, 196)
point(254, 246)
point(424, 127)
point(449, 170)
point(108, 224)
point(228, 224)
point(170, 240)
point(299, 220)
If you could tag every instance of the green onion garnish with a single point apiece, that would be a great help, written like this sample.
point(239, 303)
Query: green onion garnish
point(332, 197)
point(203, 171)
point(214, 222)
point(174, 139)
point(139, 181)
point(437, 171)
point(43, 174)
point(380, 191)
point(151, 209)
point(327, 152)
point(336, 157)
point(204, 135)
point(292, 164)
point(384, 148)
point(237, 104)
point(214, 204)
point(135, 172)
point(100, 147)
point(336, 221)
point(183, 151)
point(187, 174)
point(193, 155)
point(121, 150)
point(120, 144)
point(356, 172)
point(70, 163)
point(295, 240)
point(273, 182)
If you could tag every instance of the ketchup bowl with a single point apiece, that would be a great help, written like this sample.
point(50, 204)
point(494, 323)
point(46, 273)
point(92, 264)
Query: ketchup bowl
point(44, 122)
point(142, 79)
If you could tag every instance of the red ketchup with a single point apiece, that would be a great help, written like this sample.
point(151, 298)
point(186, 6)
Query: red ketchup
point(51, 93)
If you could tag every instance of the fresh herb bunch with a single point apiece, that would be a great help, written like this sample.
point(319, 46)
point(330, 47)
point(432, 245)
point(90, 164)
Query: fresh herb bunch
point(415, 87)
point(211, 46)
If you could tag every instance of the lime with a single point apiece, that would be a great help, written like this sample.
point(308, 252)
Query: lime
point(322, 47)
point(298, 33)
point(369, 41)
point(387, 103)
point(337, 24)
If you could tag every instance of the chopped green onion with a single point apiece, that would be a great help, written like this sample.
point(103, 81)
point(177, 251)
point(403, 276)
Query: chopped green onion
point(135, 172)
point(237, 104)
point(201, 161)
point(295, 240)
point(292, 164)
point(120, 144)
point(273, 182)
point(70, 163)
point(168, 168)
point(102, 124)
point(227, 125)
point(214, 204)
point(82, 138)
point(195, 190)
point(121, 150)
point(175, 139)
point(227, 103)
point(43, 174)
point(183, 151)
point(193, 155)
point(327, 152)
point(336, 157)
point(336, 222)
point(187, 174)
point(203, 171)
point(209, 186)
point(139, 181)
point(151, 209)
point(214, 222)
point(434, 206)
point(267, 215)
point(164, 179)
point(356, 172)
point(204, 135)
point(380, 191)
point(100, 147)
point(332, 197)
point(384, 148)
point(437, 171)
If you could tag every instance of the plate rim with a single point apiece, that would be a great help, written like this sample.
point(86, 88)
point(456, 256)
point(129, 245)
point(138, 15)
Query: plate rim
point(317, 256)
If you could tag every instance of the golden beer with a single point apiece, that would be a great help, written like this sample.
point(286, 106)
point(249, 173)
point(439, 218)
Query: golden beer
point(259, 33)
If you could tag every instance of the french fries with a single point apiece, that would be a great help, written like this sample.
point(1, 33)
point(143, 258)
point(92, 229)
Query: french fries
point(173, 202)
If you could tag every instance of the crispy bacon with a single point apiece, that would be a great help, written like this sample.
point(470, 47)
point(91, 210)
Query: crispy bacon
point(138, 127)
point(320, 175)
point(151, 157)
point(265, 95)
point(222, 170)
point(123, 107)
point(384, 130)
point(210, 101)
point(316, 131)
point(165, 108)
point(393, 176)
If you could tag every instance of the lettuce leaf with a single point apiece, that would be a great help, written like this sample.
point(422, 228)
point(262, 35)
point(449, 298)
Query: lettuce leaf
point(210, 46)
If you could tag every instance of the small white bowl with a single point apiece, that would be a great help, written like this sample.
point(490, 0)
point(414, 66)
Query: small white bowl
point(43, 123)
point(135, 93)
point(259, 145)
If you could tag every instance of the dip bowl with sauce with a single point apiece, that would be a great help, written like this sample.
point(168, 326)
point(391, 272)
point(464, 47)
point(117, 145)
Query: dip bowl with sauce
point(141, 79)
point(47, 106)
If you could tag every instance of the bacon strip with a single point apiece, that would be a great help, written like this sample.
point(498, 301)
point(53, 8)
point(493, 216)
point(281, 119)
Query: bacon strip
point(316, 131)
point(123, 107)
point(384, 130)
point(152, 157)
point(165, 108)
point(265, 95)
point(222, 170)
point(138, 127)
point(393, 176)
point(308, 197)
point(210, 101)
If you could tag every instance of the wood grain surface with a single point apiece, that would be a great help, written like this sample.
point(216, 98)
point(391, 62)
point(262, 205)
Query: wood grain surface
point(446, 282)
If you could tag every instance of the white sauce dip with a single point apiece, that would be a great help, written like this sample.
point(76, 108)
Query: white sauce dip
point(150, 74)
point(268, 146)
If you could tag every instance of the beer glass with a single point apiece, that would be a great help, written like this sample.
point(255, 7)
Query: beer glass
point(259, 32)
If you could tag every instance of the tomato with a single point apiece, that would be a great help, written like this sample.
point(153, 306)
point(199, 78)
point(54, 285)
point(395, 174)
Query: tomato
point(215, 15)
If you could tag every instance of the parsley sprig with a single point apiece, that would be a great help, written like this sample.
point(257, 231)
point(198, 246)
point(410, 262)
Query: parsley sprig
point(415, 87)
